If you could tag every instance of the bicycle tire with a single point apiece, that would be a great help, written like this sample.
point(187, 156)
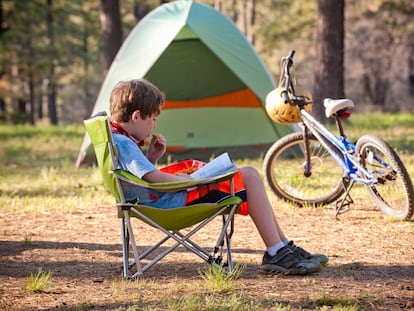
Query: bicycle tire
point(394, 194)
point(283, 169)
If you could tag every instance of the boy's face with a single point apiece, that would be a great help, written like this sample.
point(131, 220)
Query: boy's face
point(140, 128)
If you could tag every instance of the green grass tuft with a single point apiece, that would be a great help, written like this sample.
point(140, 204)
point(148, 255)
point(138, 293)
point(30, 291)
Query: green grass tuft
point(38, 282)
point(218, 281)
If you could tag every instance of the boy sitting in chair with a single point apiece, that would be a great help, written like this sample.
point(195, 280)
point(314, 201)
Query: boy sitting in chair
point(135, 106)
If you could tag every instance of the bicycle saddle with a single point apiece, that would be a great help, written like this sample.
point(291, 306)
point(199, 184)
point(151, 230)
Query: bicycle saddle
point(332, 106)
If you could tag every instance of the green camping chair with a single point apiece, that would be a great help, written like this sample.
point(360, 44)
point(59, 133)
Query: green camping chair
point(179, 224)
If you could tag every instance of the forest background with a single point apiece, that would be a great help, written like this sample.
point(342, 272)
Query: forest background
point(55, 53)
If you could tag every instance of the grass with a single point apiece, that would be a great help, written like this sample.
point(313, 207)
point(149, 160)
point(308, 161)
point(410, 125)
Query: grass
point(27, 241)
point(395, 128)
point(38, 282)
point(337, 303)
point(38, 173)
point(208, 293)
point(217, 281)
point(197, 298)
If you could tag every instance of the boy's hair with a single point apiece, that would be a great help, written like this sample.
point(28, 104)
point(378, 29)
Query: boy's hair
point(137, 94)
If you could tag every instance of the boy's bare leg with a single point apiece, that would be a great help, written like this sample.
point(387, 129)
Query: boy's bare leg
point(260, 208)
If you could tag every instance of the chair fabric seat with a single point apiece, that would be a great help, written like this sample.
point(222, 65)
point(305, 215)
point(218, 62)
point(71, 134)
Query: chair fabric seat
point(182, 217)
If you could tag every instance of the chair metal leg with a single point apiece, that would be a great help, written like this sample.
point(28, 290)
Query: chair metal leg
point(132, 243)
point(180, 239)
point(225, 237)
point(228, 244)
point(125, 249)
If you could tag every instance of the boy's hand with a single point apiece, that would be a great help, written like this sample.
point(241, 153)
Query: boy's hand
point(156, 148)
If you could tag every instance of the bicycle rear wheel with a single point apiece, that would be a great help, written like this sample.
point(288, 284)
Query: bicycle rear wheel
point(284, 172)
point(394, 194)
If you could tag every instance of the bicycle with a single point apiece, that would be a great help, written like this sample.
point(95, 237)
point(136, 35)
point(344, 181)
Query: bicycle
point(314, 167)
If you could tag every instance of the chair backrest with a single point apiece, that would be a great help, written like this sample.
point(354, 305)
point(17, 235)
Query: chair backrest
point(100, 134)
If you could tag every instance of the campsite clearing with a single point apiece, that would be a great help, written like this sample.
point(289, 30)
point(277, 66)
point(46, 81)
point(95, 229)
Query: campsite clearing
point(59, 218)
point(370, 265)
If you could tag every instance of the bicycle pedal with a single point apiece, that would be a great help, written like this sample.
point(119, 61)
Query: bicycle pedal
point(391, 175)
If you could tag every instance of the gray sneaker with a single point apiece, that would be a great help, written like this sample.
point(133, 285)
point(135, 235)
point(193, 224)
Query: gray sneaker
point(288, 262)
point(321, 258)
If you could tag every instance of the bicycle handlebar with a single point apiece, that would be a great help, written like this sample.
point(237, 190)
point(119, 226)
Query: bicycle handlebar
point(289, 88)
point(287, 63)
point(290, 57)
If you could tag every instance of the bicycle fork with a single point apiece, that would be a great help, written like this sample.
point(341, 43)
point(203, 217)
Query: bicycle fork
point(307, 167)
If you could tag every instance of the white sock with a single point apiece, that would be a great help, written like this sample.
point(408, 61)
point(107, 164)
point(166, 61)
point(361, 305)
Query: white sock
point(286, 242)
point(272, 250)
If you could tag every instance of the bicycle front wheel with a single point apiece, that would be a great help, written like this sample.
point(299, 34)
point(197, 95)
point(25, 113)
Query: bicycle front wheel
point(284, 172)
point(393, 194)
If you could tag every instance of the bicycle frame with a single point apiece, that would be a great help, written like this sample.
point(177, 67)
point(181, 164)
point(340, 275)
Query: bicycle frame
point(341, 145)
point(370, 161)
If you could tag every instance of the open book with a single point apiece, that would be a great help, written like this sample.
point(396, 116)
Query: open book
point(218, 166)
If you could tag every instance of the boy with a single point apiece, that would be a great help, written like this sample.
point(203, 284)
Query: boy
point(135, 106)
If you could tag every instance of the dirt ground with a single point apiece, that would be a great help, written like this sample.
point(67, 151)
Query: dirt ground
point(371, 260)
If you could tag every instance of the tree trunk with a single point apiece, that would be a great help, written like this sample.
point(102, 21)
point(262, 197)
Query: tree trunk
point(243, 17)
point(252, 19)
point(234, 14)
point(3, 26)
point(217, 5)
point(2, 105)
point(39, 103)
point(51, 86)
point(141, 9)
point(30, 73)
point(51, 103)
point(14, 80)
point(31, 98)
point(21, 105)
point(329, 72)
point(2, 30)
point(111, 30)
point(411, 64)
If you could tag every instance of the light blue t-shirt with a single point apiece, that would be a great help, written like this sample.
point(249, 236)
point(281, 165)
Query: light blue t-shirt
point(132, 159)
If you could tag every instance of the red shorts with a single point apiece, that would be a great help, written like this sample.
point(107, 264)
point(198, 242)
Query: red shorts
point(216, 192)
point(211, 193)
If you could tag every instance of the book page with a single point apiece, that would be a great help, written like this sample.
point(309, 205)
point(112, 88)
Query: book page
point(218, 166)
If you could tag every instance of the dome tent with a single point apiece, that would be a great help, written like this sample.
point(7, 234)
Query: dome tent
point(214, 81)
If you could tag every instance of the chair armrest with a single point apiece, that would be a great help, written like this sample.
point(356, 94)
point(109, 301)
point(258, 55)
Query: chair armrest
point(171, 186)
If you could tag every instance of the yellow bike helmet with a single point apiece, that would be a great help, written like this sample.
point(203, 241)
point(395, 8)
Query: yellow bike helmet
point(286, 113)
